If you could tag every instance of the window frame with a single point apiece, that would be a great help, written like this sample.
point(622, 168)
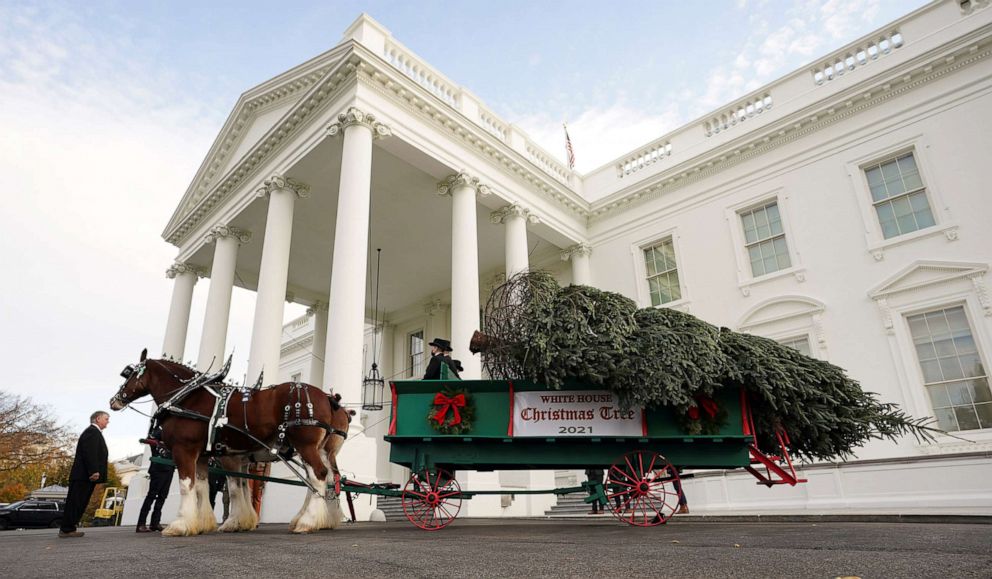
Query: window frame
point(641, 271)
point(746, 280)
point(920, 379)
point(410, 364)
point(875, 242)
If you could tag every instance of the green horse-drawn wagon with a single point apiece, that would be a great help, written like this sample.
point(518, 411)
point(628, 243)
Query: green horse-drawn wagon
point(438, 426)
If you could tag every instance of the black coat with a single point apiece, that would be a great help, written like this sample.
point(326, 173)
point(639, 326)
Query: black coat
point(91, 456)
point(434, 367)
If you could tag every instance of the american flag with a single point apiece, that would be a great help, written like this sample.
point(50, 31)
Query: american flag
point(568, 149)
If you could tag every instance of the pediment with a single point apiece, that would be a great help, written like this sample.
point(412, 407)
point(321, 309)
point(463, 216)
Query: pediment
point(925, 273)
point(255, 114)
point(780, 308)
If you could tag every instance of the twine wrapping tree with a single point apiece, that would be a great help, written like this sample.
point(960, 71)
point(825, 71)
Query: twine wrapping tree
point(538, 331)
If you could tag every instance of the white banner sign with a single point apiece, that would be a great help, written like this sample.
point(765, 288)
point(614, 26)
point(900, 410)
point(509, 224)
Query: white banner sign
point(573, 413)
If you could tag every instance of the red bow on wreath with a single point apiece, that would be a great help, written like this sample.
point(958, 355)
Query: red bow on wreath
point(454, 403)
point(708, 406)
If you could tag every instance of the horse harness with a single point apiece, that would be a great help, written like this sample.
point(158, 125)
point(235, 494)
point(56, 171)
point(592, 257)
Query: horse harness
point(218, 420)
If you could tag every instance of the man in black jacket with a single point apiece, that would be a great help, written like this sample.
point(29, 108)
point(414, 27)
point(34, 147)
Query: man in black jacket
point(89, 468)
point(159, 481)
point(439, 355)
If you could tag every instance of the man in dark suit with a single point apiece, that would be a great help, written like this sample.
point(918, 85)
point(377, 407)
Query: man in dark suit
point(439, 356)
point(89, 468)
point(159, 481)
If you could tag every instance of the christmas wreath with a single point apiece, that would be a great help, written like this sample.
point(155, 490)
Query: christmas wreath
point(704, 417)
point(452, 411)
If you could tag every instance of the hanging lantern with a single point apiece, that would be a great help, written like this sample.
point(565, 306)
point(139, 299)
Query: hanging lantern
point(372, 389)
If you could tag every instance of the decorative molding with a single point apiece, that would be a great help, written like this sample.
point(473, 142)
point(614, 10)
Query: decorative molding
point(788, 130)
point(983, 292)
point(317, 307)
point(180, 268)
point(355, 116)
point(462, 179)
point(432, 307)
point(513, 210)
point(321, 87)
point(581, 249)
point(925, 273)
point(795, 306)
point(281, 183)
point(221, 231)
point(886, 311)
point(951, 234)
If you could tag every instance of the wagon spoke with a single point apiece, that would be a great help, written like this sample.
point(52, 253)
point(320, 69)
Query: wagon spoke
point(619, 470)
point(654, 457)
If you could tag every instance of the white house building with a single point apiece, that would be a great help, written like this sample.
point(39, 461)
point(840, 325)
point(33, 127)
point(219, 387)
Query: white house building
point(840, 209)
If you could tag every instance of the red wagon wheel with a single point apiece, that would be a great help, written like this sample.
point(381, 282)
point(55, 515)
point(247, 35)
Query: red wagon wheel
point(431, 499)
point(640, 489)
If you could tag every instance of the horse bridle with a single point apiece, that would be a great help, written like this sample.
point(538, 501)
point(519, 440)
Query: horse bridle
point(128, 371)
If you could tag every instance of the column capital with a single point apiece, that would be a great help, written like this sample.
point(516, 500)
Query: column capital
point(317, 307)
point(462, 179)
point(356, 116)
point(513, 210)
point(281, 183)
point(179, 268)
point(581, 249)
point(221, 231)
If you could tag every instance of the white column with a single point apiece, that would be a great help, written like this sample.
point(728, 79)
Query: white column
point(343, 370)
point(266, 332)
point(515, 218)
point(182, 298)
point(464, 268)
point(319, 346)
point(579, 256)
point(214, 337)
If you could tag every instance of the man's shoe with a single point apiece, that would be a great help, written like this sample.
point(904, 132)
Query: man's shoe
point(142, 529)
point(69, 534)
point(683, 510)
point(158, 528)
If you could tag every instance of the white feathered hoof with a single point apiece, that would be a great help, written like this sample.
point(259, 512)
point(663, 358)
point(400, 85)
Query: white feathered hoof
point(180, 528)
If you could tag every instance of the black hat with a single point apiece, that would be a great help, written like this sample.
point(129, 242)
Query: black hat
point(458, 365)
point(444, 345)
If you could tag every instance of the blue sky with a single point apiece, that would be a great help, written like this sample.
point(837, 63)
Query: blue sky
point(107, 108)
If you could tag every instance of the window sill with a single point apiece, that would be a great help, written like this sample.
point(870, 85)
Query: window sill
point(975, 440)
point(681, 305)
point(949, 230)
point(796, 271)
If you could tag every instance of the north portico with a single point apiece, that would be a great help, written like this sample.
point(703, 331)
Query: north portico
point(344, 146)
point(349, 152)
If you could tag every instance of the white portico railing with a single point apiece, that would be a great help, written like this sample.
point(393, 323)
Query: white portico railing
point(374, 36)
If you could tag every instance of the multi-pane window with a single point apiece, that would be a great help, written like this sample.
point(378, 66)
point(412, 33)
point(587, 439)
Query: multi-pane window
point(952, 369)
point(899, 196)
point(416, 348)
point(764, 239)
point(662, 273)
point(800, 344)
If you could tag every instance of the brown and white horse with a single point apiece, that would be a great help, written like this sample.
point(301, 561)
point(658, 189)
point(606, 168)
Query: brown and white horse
point(186, 438)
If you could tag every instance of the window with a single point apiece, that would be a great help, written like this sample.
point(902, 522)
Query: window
point(662, 273)
point(416, 353)
point(953, 374)
point(899, 196)
point(800, 344)
point(764, 239)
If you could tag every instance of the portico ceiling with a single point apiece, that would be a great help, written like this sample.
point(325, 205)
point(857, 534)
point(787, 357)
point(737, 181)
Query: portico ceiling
point(409, 221)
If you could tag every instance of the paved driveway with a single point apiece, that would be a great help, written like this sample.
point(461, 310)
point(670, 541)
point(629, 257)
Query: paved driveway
point(520, 548)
